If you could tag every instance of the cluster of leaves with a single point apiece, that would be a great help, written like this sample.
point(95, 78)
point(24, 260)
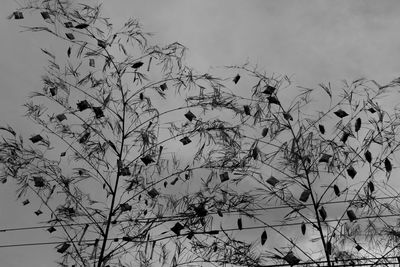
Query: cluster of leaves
point(127, 131)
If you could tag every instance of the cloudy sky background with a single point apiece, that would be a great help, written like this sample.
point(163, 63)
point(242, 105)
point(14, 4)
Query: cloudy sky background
point(312, 41)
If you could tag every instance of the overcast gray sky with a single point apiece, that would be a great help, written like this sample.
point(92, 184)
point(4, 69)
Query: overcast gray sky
point(312, 40)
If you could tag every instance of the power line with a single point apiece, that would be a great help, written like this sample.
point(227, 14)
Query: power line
point(337, 263)
point(183, 216)
point(60, 242)
point(132, 240)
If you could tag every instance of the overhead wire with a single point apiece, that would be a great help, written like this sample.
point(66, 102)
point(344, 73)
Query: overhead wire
point(116, 238)
point(182, 216)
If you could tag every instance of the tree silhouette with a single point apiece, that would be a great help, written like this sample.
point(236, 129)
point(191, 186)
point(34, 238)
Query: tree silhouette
point(139, 160)
point(329, 173)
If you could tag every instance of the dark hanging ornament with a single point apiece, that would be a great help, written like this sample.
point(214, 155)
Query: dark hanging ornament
point(127, 238)
point(239, 223)
point(345, 136)
point(269, 90)
point(273, 100)
point(125, 207)
point(352, 216)
point(137, 65)
point(63, 248)
point(337, 191)
point(84, 138)
point(98, 112)
point(91, 62)
point(189, 115)
point(219, 212)
point(325, 158)
point(372, 110)
point(303, 228)
point(224, 177)
point(272, 181)
point(351, 172)
point(70, 36)
point(36, 138)
point(190, 235)
point(51, 229)
point(177, 228)
point(81, 26)
point(125, 171)
point(53, 91)
point(69, 52)
point(61, 117)
point(322, 213)
point(68, 24)
point(246, 109)
point(185, 140)
point(174, 181)
point(291, 259)
point(18, 15)
point(341, 113)
point(287, 116)
point(39, 181)
point(153, 193)
point(147, 160)
point(45, 15)
point(255, 153)
point(264, 132)
point(368, 156)
point(102, 44)
point(236, 79)
point(263, 237)
point(357, 125)
point(305, 195)
point(321, 129)
point(371, 186)
point(163, 87)
point(388, 165)
point(83, 105)
point(38, 212)
point(213, 232)
point(358, 247)
point(201, 211)
point(329, 247)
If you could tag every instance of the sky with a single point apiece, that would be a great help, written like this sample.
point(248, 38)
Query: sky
point(312, 41)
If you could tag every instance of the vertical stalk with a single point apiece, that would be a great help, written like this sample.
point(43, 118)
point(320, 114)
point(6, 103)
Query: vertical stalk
point(114, 193)
point(314, 202)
